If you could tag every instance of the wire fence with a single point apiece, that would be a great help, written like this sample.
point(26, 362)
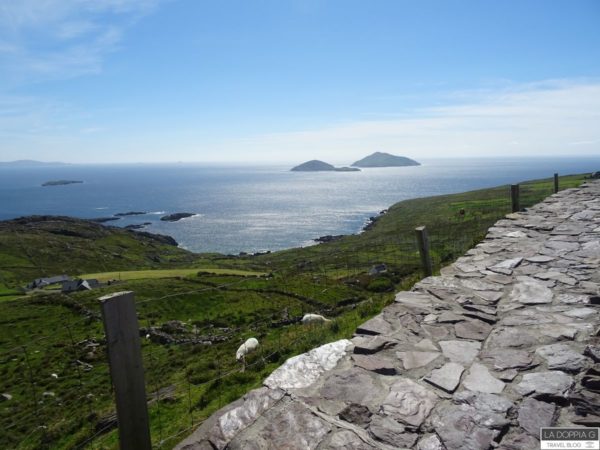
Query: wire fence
point(56, 386)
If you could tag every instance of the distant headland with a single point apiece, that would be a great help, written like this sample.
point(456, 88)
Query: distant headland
point(30, 163)
point(377, 159)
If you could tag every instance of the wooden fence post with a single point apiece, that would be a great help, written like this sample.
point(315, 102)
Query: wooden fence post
point(423, 244)
point(555, 183)
point(126, 370)
point(514, 197)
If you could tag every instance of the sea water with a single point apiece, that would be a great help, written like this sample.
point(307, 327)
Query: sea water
point(243, 208)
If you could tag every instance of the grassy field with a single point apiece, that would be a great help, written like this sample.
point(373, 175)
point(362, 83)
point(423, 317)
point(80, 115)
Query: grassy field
point(127, 275)
point(53, 356)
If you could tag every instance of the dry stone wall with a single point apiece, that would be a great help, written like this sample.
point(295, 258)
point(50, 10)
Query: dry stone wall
point(503, 342)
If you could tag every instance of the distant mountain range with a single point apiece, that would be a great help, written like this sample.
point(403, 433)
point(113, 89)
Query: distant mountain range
point(377, 159)
point(30, 163)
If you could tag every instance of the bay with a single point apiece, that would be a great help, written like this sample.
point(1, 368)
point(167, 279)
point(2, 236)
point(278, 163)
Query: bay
point(252, 208)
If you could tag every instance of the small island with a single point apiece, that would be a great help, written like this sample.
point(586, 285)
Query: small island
point(379, 159)
point(320, 166)
point(175, 217)
point(61, 182)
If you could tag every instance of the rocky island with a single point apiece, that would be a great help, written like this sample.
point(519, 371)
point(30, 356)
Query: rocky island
point(320, 166)
point(175, 217)
point(61, 182)
point(131, 213)
point(379, 159)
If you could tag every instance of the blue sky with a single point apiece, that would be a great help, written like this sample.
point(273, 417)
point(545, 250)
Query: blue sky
point(256, 81)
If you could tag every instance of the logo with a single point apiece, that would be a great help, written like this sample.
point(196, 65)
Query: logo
point(570, 438)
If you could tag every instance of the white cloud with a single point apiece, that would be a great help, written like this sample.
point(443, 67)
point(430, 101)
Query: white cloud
point(48, 39)
point(544, 118)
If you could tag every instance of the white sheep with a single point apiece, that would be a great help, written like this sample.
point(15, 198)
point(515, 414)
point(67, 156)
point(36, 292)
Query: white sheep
point(314, 318)
point(247, 347)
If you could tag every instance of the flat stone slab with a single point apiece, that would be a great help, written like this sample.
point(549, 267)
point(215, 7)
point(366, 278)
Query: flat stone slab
point(303, 370)
point(462, 352)
point(506, 267)
point(507, 358)
point(534, 414)
point(474, 330)
point(390, 432)
point(412, 360)
point(463, 427)
point(479, 379)
point(562, 357)
point(446, 377)
point(375, 363)
point(529, 291)
point(370, 344)
point(540, 259)
point(409, 402)
point(553, 383)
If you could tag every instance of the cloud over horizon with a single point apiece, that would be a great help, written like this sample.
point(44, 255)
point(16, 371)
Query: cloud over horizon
point(549, 117)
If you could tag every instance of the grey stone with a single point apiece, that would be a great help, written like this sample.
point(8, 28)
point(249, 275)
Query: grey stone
point(480, 285)
point(593, 351)
point(562, 247)
point(483, 401)
point(540, 259)
point(553, 383)
point(508, 375)
point(479, 379)
point(534, 414)
point(507, 358)
point(409, 402)
point(390, 432)
point(352, 386)
point(357, 414)
point(506, 267)
point(415, 300)
point(427, 345)
point(449, 317)
point(436, 332)
point(530, 291)
point(346, 440)
point(562, 357)
point(463, 427)
point(303, 370)
point(574, 298)
point(374, 326)
point(431, 442)
point(477, 331)
point(412, 360)
point(512, 337)
point(462, 352)
point(294, 428)
point(446, 377)
point(375, 364)
point(580, 313)
point(366, 345)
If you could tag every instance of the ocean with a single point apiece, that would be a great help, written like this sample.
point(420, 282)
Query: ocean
point(250, 209)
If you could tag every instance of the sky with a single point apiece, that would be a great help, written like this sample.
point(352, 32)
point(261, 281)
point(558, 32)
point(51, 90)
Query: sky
point(291, 80)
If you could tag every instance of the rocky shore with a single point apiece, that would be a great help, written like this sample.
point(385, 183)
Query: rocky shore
point(505, 341)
